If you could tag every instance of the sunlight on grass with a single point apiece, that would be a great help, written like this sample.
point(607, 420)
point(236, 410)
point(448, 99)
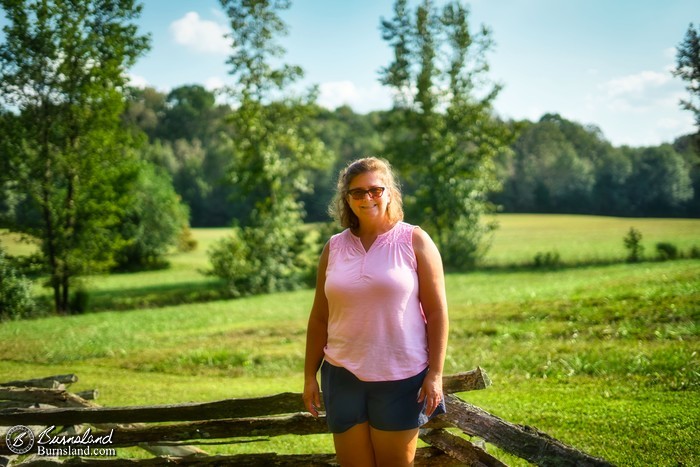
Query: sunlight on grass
point(16, 244)
point(605, 358)
point(583, 238)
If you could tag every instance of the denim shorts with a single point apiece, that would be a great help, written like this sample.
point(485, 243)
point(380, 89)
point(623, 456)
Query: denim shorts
point(386, 405)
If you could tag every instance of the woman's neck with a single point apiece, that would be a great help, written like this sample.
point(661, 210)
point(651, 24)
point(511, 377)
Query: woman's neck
point(373, 229)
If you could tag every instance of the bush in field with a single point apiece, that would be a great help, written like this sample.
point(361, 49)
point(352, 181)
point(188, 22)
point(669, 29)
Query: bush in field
point(633, 243)
point(549, 259)
point(15, 290)
point(694, 252)
point(265, 258)
point(79, 301)
point(666, 251)
point(186, 241)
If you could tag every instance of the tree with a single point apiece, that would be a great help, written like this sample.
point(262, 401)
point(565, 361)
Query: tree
point(660, 182)
point(610, 194)
point(688, 146)
point(62, 71)
point(688, 69)
point(442, 134)
point(190, 114)
point(274, 148)
point(633, 244)
point(145, 109)
point(153, 221)
point(549, 175)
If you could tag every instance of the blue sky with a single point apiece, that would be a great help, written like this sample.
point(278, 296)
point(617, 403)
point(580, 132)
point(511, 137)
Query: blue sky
point(601, 62)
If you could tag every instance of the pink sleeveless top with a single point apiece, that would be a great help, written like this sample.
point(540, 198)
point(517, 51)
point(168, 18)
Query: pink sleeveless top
point(376, 326)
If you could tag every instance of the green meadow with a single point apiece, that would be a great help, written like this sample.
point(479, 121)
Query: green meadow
point(599, 353)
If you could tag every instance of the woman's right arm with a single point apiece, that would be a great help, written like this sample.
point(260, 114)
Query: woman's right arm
point(316, 338)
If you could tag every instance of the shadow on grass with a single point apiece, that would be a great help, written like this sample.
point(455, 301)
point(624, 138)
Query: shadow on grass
point(543, 266)
point(157, 296)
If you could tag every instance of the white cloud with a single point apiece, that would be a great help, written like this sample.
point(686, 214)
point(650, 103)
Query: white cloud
point(137, 81)
point(337, 93)
point(636, 83)
point(199, 34)
point(649, 92)
point(362, 99)
point(636, 109)
point(214, 83)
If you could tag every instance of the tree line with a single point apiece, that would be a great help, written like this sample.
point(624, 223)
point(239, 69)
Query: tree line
point(553, 165)
point(110, 177)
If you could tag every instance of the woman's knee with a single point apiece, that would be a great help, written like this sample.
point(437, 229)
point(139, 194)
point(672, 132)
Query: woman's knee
point(394, 448)
point(354, 447)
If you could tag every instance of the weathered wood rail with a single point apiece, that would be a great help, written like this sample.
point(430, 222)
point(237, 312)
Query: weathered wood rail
point(166, 430)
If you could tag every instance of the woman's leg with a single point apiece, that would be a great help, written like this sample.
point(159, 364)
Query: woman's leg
point(353, 447)
point(394, 448)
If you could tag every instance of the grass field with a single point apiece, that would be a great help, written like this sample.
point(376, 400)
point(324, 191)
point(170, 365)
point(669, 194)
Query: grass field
point(603, 357)
point(582, 239)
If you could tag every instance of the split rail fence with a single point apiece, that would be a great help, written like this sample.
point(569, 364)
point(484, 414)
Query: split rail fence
point(169, 431)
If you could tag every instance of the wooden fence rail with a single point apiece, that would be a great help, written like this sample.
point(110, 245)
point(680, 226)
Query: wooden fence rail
point(166, 430)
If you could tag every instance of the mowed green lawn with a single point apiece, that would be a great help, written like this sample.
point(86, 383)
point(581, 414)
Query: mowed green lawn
point(605, 358)
point(581, 239)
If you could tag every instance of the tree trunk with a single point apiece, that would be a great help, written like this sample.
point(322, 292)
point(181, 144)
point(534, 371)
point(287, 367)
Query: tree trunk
point(65, 285)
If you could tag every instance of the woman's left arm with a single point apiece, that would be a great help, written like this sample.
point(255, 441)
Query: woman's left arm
point(431, 284)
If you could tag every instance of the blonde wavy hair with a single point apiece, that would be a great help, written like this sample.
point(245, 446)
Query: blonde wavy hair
point(339, 208)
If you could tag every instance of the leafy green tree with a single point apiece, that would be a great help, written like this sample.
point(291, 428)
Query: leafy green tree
point(62, 70)
point(191, 113)
point(610, 194)
point(145, 109)
point(549, 175)
point(688, 146)
point(153, 221)
point(442, 134)
point(274, 148)
point(660, 182)
point(688, 69)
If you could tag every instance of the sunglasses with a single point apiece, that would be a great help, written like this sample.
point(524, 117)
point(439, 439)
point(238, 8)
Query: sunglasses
point(359, 193)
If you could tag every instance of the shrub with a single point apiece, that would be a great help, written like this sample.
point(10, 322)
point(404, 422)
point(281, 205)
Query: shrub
point(666, 251)
point(633, 244)
point(80, 301)
point(273, 257)
point(549, 259)
point(16, 298)
point(694, 252)
point(186, 241)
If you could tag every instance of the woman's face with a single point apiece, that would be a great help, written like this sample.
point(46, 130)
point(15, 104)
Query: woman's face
point(370, 206)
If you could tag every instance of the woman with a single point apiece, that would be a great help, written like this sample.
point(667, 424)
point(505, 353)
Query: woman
point(378, 324)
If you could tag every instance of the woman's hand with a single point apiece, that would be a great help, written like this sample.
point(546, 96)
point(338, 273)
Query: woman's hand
point(312, 396)
point(431, 392)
